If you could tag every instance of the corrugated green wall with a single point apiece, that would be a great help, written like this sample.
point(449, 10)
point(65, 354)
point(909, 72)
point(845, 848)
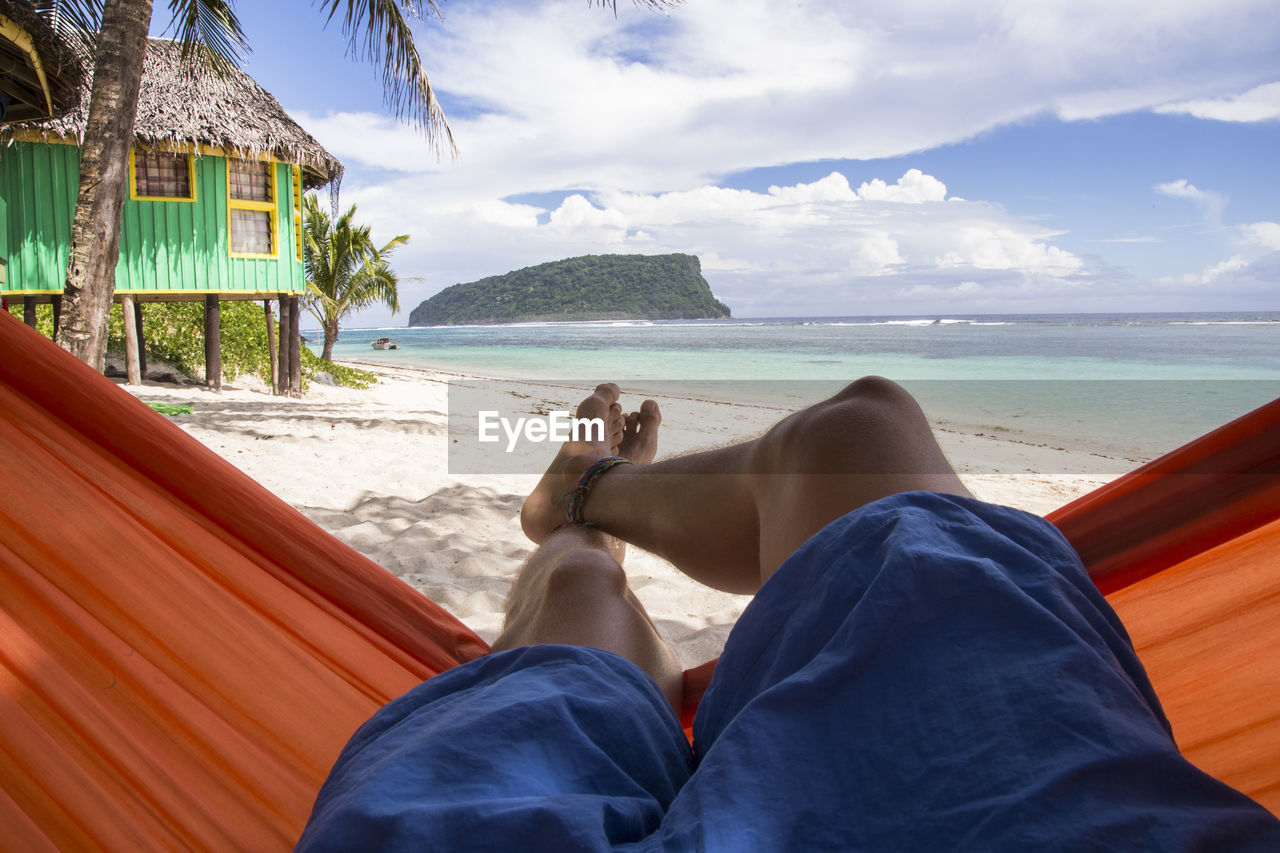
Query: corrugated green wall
point(38, 185)
point(165, 246)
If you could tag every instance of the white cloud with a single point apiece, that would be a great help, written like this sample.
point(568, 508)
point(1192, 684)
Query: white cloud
point(1260, 103)
point(1181, 189)
point(1235, 272)
point(913, 187)
point(1264, 234)
point(1232, 264)
point(575, 213)
point(834, 187)
point(1212, 203)
point(875, 253)
point(990, 247)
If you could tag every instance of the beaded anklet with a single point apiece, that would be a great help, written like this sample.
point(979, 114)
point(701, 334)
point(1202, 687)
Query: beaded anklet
point(578, 496)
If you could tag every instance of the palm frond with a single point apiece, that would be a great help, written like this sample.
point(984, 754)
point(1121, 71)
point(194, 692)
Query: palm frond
point(74, 20)
point(210, 24)
point(655, 5)
point(374, 283)
point(392, 244)
point(378, 30)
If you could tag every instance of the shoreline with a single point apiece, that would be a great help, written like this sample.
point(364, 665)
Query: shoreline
point(979, 450)
point(371, 467)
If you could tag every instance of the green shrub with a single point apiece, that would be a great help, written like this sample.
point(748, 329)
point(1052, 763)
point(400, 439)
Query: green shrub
point(351, 377)
point(44, 316)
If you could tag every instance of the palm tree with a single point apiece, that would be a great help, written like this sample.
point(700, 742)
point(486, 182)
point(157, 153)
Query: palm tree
point(377, 30)
point(346, 271)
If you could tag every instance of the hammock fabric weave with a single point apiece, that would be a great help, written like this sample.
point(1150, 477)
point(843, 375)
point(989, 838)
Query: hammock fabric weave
point(183, 655)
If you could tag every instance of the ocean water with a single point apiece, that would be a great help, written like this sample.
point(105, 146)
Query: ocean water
point(1132, 384)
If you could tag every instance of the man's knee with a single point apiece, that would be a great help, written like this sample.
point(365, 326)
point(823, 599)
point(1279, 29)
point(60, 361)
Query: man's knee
point(586, 573)
point(866, 417)
point(874, 389)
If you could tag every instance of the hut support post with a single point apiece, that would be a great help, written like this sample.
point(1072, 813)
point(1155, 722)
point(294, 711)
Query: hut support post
point(57, 315)
point(29, 311)
point(295, 349)
point(282, 379)
point(131, 367)
point(142, 338)
point(212, 344)
point(271, 346)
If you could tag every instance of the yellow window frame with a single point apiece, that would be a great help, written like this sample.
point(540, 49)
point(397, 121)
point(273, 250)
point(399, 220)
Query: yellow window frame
point(133, 178)
point(297, 213)
point(270, 207)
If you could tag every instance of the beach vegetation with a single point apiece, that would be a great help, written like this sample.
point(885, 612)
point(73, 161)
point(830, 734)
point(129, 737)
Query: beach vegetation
point(44, 316)
point(592, 287)
point(346, 270)
point(175, 335)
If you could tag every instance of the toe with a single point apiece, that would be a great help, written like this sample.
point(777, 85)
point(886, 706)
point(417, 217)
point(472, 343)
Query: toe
point(649, 415)
point(600, 403)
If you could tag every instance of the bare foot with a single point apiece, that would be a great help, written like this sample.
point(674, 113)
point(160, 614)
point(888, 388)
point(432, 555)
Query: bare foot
point(634, 437)
point(639, 444)
point(640, 436)
point(544, 509)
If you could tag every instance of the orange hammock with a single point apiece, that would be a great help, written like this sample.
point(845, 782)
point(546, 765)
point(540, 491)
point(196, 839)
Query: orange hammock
point(183, 655)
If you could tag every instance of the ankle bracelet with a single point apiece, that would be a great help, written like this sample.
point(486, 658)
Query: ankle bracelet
point(578, 496)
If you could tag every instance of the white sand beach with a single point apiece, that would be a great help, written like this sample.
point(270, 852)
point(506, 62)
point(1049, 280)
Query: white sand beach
point(371, 467)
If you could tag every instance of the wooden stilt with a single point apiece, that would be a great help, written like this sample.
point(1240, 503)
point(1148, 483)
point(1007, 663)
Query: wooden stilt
point(295, 349)
point(282, 380)
point(271, 346)
point(29, 311)
point(212, 344)
point(57, 315)
point(142, 338)
point(132, 371)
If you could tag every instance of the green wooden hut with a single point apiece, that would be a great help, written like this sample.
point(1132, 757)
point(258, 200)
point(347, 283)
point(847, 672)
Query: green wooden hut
point(214, 212)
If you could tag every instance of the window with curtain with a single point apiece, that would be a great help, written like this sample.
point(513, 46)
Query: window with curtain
point(162, 175)
point(251, 200)
point(251, 232)
point(250, 180)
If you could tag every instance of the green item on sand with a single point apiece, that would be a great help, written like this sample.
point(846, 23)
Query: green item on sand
point(172, 408)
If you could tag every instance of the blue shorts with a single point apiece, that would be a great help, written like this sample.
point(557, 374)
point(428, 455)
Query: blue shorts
point(926, 673)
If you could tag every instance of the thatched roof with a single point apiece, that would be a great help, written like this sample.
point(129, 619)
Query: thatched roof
point(54, 74)
point(176, 107)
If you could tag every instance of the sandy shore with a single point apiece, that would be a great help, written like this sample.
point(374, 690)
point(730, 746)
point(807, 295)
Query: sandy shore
point(372, 468)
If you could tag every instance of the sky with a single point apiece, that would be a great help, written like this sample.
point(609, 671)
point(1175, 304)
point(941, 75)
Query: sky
point(823, 158)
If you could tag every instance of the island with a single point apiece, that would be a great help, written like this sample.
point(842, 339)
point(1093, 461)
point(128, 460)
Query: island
point(592, 287)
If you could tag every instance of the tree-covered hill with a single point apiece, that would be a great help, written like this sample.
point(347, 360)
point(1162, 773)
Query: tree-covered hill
point(593, 287)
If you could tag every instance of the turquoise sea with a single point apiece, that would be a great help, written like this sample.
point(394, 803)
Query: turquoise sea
point(1131, 384)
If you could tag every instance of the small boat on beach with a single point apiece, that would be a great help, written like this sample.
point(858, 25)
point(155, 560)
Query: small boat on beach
point(385, 343)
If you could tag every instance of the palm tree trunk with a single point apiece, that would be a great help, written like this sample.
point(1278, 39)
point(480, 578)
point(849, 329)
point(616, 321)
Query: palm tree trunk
point(104, 176)
point(330, 336)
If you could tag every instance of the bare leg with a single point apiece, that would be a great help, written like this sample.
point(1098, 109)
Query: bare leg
point(573, 589)
point(729, 517)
